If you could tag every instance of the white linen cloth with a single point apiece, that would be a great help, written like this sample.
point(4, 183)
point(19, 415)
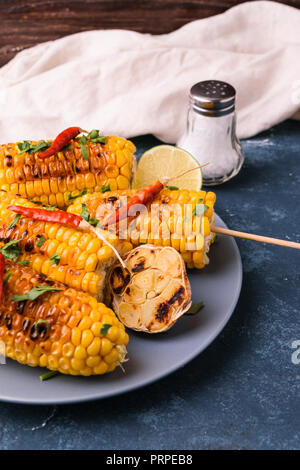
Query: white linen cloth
point(129, 84)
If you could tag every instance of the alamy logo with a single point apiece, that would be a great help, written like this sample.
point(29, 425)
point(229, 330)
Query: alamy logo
point(296, 354)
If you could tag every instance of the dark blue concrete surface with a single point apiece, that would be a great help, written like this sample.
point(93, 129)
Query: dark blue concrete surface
point(243, 391)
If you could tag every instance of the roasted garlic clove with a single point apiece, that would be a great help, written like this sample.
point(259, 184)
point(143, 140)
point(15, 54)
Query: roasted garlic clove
point(158, 292)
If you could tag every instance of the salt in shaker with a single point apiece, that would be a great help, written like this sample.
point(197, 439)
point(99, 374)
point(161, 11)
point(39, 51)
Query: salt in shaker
point(210, 135)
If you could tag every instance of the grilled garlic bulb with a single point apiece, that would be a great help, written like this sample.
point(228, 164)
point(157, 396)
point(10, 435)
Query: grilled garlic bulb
point(155, 290)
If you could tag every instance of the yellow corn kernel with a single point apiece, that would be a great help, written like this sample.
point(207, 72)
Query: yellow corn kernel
point(64, 364)
point(87, 337)
point(68, 349)
point(93, 361)
point(121, 158)
point(80, 352)
point(122, 182)
point(76, 336)
point(77, 364)
point(106, 346)
point(101, 368)
point(94, 347)
point(112, 356)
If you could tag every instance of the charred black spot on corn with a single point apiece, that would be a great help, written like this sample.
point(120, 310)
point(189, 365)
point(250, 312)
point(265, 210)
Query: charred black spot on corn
point(20, 307)
point(25, 325)
point(8, 321)
point(29, 245)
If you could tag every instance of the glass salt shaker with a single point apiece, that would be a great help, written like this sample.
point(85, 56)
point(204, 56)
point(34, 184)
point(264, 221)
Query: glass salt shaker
point(210, 135)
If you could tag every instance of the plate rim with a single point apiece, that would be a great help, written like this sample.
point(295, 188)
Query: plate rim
point(144, 383)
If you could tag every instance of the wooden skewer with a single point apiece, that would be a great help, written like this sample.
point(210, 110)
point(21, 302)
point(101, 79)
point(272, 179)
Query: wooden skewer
point(256, 238)
point(167, 179)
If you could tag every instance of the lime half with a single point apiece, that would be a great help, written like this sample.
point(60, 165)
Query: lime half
point(167, 160)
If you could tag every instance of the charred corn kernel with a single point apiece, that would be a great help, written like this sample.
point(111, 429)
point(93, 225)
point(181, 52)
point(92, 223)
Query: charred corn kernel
point(58, 346)
point(21, 173)
point(177, 212)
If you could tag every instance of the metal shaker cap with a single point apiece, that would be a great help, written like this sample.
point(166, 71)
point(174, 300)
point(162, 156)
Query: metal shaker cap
point(213, 98)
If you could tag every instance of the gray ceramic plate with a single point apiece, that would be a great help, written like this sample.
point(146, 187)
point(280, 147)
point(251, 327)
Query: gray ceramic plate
point(151, 356)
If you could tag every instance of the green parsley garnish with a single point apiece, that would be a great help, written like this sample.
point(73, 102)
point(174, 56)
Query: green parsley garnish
point(105, 329)
point(15, 221)
point(94, 221)
point(34, 293)
point(172, 188)
point(104, 189)
point(38, 202)
point(82, 142)
point(195, 308)
point(42, 322)
point(85, 213)
point(55, 259)
point(93, 134)
point(50, 208)
point(94, 137)
point(200, 208)
point(11, 250)
point(82, 193)
point(6, 278)
point(40, 241)
point(87, 216)
point(48, 375)
point(25, 262)
point(28, 147)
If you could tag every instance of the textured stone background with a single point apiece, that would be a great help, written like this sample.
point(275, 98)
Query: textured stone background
point(243, 391)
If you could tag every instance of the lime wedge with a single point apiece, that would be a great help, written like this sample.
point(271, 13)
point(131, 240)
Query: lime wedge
point(167, 160)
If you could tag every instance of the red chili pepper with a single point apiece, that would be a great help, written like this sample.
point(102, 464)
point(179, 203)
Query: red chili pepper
point(143, 196)
point(59, 217)
point(2, 268)
point(61, 141)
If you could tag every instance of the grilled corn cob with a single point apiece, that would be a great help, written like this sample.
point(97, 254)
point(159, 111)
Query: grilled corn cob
point(155, 294)
point(173, 220)
point(53, 179)
point(66, 331)
point(75, 258)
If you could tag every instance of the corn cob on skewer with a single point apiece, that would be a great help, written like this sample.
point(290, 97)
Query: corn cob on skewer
point(53, 179)
point(61, 330)
point(76, 258)
point(175, 224)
